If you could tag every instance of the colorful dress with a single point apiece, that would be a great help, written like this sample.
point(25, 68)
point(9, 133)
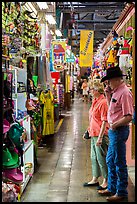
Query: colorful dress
point(48, 112)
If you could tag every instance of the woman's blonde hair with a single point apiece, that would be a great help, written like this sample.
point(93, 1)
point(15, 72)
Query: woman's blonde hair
point(97, 85)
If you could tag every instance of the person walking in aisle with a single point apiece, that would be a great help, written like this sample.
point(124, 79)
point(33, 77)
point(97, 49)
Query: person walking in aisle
point(98, 131)
point(85, 90)
point(120, 113)
point(79, 88)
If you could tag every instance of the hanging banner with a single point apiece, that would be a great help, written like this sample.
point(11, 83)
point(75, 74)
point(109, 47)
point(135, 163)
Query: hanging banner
point(86, 48)
point(58, 54)
point(69, 55)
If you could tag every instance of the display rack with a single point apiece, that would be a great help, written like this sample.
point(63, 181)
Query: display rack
point(28, 153)
point(11, 44)
point(28, 159)
point(9, 103)
point(19, 98)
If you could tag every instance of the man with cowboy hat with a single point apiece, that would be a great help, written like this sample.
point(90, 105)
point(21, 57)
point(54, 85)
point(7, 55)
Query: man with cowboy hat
point(120, 113)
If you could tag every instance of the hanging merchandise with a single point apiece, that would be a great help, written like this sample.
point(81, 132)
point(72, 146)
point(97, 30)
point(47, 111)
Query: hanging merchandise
point(46, 98)
point(125, 48)
point(112, 55)
point(6, 126)
point(115, 46)
point(60, 94)
point(129, 35)
point(121, 43)
point(70, 55)
point(111, 58)
point(35, 79)
point(55, 77)
point(125, 63)
point(42, 69)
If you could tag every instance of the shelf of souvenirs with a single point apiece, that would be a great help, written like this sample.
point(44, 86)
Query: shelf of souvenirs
point(7, 109)
point(4, 44)
point(27, 145)
point(6, 57)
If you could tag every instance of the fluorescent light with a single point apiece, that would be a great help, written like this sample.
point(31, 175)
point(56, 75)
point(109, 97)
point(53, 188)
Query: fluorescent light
point(27, 8)
point(58, 33)
point(42, 5)
point(32, 7)
point(50, 19)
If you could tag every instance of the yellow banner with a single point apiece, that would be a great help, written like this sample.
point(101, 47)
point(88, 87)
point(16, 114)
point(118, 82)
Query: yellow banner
point(86, 48)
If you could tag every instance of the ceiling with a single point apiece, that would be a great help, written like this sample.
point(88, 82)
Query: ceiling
point(97, 16)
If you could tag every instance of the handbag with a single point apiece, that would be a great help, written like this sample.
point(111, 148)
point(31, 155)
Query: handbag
point(86, 135)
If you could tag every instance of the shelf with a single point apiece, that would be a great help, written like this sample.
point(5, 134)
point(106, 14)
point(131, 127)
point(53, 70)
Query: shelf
point(27, 145)
point(6, 57)
point(22, 119)
point(28, 177)
point(7, 109)
point(28, 157)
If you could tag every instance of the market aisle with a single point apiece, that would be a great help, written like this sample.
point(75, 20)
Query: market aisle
point(64, 164)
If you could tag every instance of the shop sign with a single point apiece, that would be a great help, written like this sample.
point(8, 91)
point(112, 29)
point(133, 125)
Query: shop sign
point(58, 54)
point(69, 56)
point(70, 60)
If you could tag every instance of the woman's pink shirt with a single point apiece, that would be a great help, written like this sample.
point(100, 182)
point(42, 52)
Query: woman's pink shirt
point(98, 114)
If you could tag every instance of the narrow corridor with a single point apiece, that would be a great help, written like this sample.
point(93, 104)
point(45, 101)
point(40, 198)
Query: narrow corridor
point(64, 164)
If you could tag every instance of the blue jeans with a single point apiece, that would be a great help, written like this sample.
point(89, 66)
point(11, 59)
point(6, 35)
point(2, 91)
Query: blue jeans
point(116, 161)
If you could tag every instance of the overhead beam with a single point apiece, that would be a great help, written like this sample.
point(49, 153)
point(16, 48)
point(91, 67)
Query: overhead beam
point(96, 30)
point(114, 5)
point(92, 9)
point(95, 21)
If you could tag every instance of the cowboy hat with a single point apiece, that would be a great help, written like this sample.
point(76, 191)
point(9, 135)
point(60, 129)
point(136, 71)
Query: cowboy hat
point(13, 174)
point(10, 159)
point(112, 72)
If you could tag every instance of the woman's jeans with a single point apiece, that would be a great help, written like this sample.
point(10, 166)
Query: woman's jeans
point(116, 161)
point(98, 157)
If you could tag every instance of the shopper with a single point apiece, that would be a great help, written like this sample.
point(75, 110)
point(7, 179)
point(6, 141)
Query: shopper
point(79, 87)
point(90, 82)
point(85, 90)
point(98, 131)
point(120, 113)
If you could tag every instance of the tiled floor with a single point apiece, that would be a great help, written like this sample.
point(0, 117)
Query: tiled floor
point(64, 164)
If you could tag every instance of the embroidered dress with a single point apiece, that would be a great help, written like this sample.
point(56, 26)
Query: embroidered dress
point(48, 113)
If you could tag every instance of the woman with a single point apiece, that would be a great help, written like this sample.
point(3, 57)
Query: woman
point(98, 131)
point(85, 90)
